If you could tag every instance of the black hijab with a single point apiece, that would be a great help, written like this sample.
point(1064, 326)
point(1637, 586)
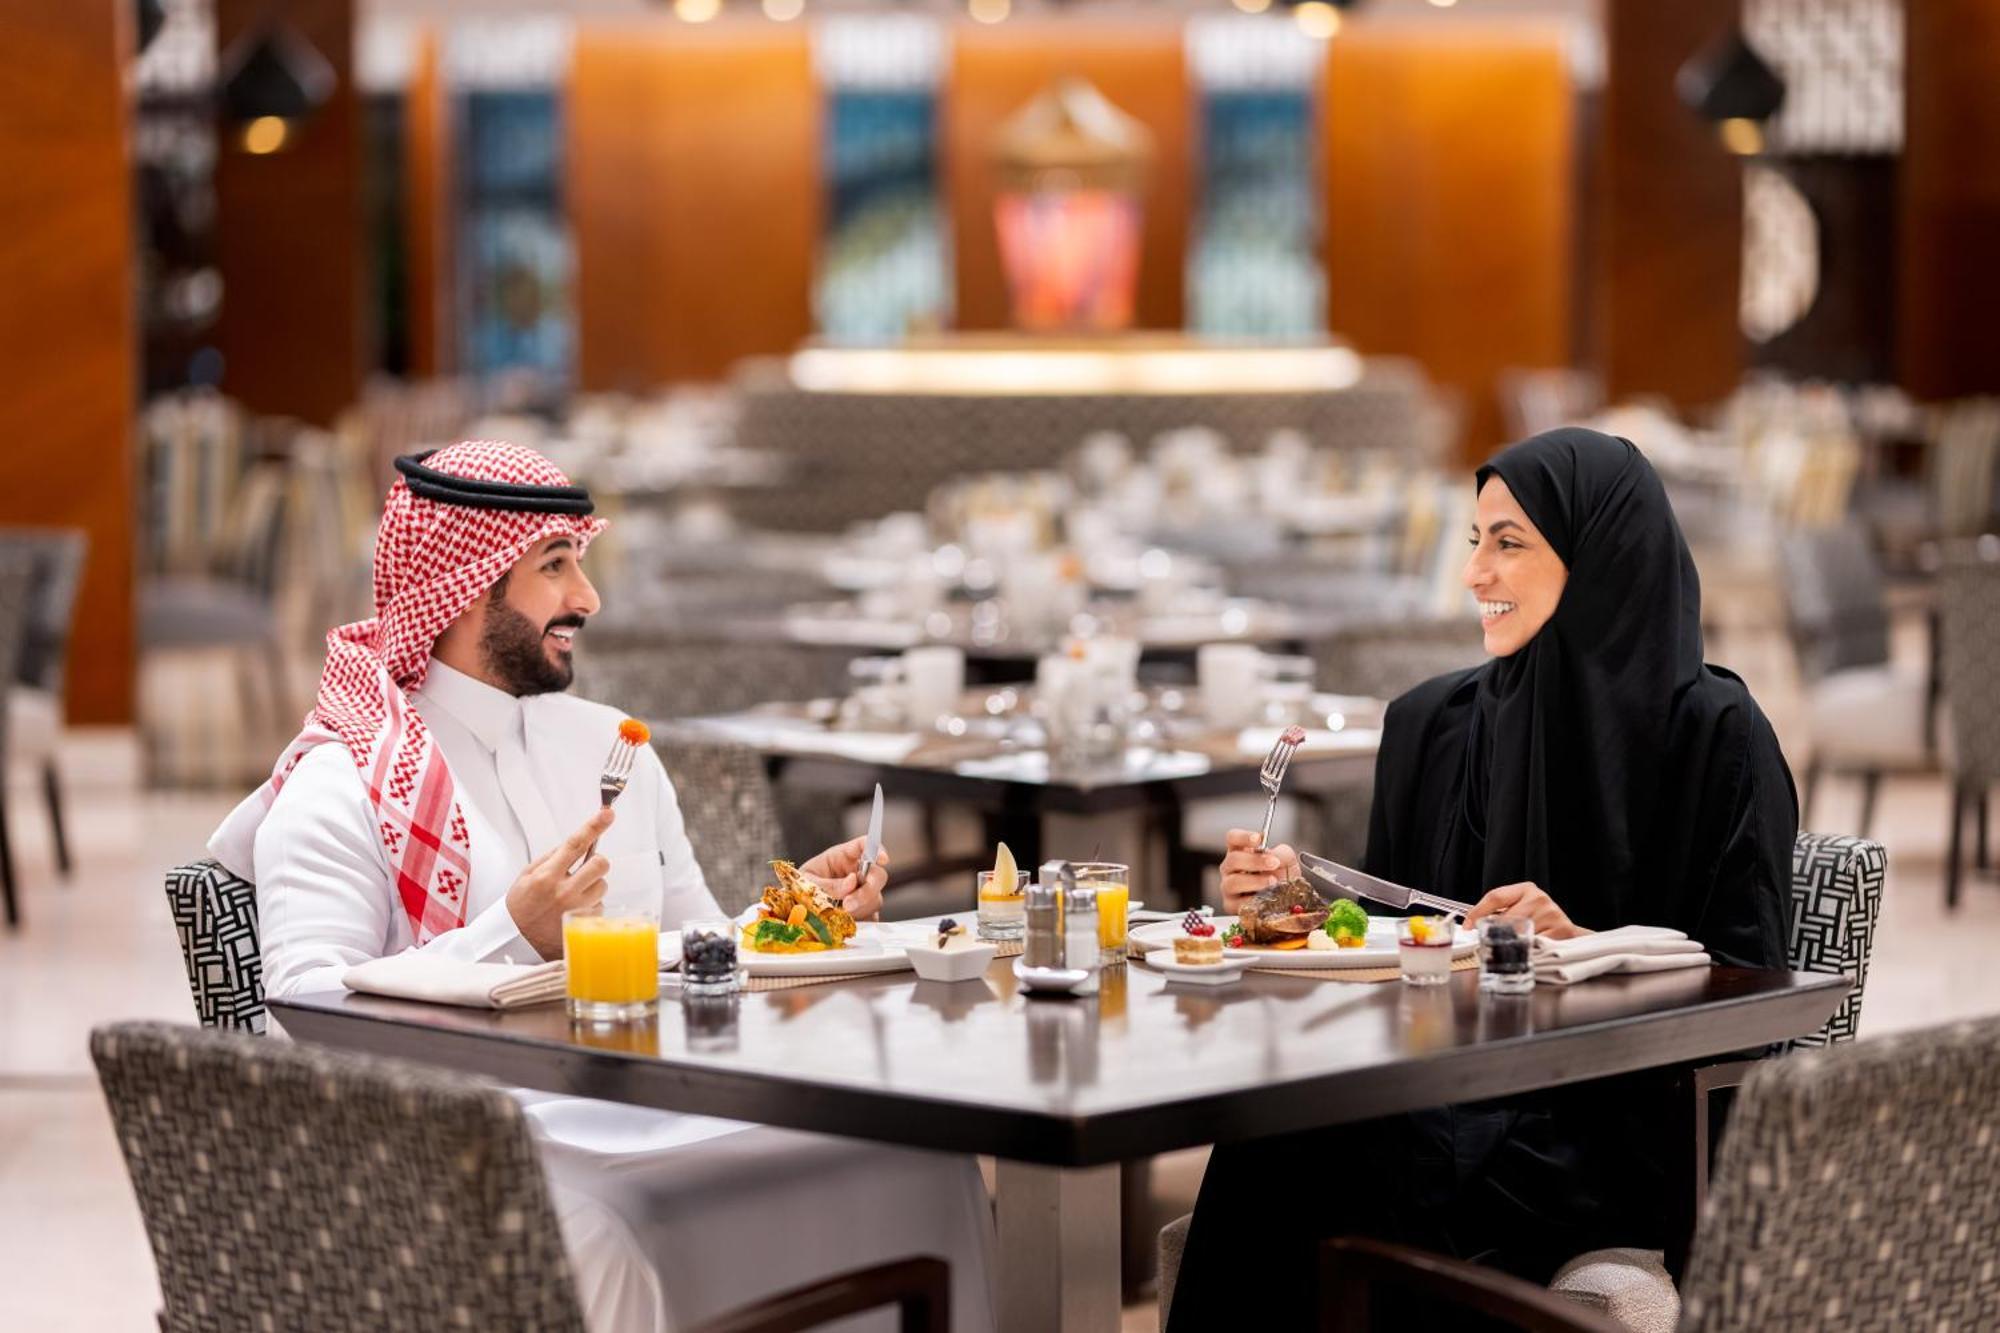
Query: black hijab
point(1602, 761)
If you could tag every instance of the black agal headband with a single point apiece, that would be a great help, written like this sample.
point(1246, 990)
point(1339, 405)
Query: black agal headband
point(473, 493)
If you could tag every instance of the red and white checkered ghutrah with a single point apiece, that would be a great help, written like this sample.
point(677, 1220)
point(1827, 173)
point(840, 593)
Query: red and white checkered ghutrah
point(433, 559)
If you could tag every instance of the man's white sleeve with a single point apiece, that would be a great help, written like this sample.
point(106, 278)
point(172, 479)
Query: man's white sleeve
point(326, 896)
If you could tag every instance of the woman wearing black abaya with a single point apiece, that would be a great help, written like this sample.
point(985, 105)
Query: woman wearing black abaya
point(1594, 774)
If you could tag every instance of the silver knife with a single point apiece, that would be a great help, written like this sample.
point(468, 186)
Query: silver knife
point(873, 847)
point(1359, 884)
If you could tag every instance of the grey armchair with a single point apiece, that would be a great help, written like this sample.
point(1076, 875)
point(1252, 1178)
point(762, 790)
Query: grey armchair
point(290, 1186)
point(1866, 716)
point(1859, 1188)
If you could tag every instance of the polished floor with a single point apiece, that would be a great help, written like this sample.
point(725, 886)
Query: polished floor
point(73, 1254)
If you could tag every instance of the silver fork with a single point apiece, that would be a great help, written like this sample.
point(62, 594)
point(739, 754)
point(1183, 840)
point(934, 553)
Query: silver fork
point(612, 781)
point(1272, 775)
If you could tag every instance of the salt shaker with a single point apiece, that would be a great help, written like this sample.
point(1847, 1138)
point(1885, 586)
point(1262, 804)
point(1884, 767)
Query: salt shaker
point(1042, 942)
point(1080, 943)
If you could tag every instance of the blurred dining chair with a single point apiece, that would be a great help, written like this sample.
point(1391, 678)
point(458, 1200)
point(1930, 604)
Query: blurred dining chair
point(1969, 652)
point(660, 676)
point(292, 1186)
point(1532, 401)
point(1864, 714)
point(17, 575)
point(35, 714)
point(231, 604)
point(1382, 656)
point(1832, 908)
point(1963, 465)
point(215, 916)
point(1858, 1187)
point(729, 810)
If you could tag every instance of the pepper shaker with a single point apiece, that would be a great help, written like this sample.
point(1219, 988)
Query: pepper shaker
point(1080, 944)
point(1041, 941)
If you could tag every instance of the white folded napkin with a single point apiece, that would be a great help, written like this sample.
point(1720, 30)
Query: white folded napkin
point(411, 976)
point(1626, 949)
point(1562, 974)
point(1625, 939)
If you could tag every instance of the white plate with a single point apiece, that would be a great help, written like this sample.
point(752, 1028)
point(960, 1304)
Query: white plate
point(1380, 951)
point(868, 951)
point(1203, 974)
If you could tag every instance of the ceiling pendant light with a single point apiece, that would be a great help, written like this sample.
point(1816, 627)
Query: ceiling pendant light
point(272, 81)
point(1730, 84)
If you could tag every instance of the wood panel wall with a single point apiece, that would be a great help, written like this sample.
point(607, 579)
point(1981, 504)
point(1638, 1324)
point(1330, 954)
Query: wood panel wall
point(1449, 176)
point(1141, 67)
point(1668, 232)
point(291, 239)
point(693, 195)
point(427, 176)
point(1949, 207)
point(68, 341)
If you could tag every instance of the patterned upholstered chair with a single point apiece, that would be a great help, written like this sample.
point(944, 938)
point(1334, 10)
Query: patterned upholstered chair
point(290, 1186)
point(1836, 898)
point(728, 808)
point(1859, 1188)
point(215, 914)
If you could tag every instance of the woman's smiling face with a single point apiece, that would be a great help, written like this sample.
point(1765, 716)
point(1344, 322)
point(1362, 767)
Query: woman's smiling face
point(1514, 573)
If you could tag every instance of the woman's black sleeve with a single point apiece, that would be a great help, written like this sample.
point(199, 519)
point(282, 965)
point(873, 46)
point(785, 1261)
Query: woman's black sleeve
point(1741, 918)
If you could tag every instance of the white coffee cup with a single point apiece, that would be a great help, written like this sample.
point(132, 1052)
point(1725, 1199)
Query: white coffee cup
point(933, 678)
point(1230, 679)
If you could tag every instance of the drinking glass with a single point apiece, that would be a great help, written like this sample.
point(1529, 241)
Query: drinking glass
point(1507, 955)
point(1002, 915)
point(710, 963)
point(612, 963)
point(1112, 881)
point(1423, 946)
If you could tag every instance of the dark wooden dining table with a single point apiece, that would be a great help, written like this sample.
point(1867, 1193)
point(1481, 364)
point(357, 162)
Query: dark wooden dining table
point(1061, 1091)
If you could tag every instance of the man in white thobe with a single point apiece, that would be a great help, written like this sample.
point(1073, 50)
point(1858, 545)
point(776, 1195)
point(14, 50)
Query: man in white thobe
point(441, 801)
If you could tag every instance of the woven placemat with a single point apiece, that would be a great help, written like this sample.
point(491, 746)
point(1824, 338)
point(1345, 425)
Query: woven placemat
point(1464, 964)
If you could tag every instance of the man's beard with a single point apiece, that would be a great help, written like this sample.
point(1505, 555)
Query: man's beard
point(512, 647)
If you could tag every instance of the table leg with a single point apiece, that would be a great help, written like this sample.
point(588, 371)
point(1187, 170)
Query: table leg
point(1059, 1248)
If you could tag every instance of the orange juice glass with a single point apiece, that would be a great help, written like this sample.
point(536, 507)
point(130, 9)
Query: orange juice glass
point(612, 960)
point(1112, 882)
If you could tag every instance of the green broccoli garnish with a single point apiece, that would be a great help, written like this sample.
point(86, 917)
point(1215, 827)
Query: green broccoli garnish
point(778, 932)
point(1347, 919)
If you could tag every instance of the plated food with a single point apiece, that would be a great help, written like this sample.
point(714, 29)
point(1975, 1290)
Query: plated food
point(1199, 943)
point(1281, 917)
point(1290, 926)
point(1346, 927)
point(796, 916)
point(952, 954)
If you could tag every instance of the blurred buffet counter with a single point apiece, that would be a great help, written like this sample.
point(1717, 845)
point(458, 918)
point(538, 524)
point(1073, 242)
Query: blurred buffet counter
point(899, 422)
